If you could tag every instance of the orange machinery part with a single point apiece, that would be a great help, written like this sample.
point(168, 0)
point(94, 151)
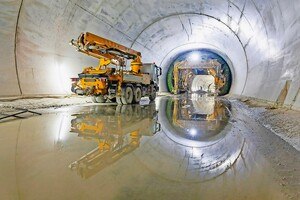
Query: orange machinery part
point(91, 39)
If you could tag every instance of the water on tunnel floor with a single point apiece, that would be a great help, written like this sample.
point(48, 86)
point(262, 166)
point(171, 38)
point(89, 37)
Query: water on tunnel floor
point(184, 147)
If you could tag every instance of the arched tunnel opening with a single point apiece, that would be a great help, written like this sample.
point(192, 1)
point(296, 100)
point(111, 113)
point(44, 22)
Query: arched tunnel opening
point(197, 79)
point(248, 34)
point(158, 99)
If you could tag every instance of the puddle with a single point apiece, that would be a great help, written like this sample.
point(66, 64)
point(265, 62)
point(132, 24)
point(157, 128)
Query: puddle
point(176, 148)
point(116, 129)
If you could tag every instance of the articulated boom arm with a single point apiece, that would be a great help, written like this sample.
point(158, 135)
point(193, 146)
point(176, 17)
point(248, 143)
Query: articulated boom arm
point(115, 83)
point(102, 48)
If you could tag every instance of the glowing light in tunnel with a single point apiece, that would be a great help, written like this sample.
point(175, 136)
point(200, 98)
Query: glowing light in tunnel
point(64, 75)
point(194, 57)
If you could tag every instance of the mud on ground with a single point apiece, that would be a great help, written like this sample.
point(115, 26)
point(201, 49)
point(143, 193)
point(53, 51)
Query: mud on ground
point(11, 104)
point(282, 121)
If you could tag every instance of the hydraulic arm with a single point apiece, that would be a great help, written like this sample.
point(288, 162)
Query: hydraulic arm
point(114, 83)
point(107, 50)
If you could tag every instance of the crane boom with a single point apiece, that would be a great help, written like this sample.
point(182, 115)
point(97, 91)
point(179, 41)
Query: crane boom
point(99, 47)
point(114, 83)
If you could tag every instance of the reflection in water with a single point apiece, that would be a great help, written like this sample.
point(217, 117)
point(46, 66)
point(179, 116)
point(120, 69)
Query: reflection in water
point(117, 129)
point(113, 154)
point(198, 118)
point(197, 144)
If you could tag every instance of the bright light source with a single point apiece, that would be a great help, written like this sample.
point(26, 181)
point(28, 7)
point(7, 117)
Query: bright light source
point(193, 132)
point(194, 56)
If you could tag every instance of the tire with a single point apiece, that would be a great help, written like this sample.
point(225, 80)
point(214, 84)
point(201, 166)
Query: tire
point(98, 99)
point(152, 95)
point(137, 95)
point(73, 88)
point(118, 100)
point(127, 95)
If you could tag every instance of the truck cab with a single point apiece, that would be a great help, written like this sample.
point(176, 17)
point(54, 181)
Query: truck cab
point(153, 70)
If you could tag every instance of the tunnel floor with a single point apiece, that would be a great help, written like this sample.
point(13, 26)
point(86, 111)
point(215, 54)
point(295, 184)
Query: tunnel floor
point(183, 147)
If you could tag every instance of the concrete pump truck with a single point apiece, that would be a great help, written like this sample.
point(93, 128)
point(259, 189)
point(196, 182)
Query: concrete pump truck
point(110, 80)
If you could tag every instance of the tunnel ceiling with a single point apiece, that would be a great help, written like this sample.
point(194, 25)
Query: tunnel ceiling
point(251, 34)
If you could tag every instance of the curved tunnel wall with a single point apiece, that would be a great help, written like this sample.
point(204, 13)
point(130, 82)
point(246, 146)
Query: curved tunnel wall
point(260, 38)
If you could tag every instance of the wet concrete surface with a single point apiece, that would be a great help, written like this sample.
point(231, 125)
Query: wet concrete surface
point(185, 147)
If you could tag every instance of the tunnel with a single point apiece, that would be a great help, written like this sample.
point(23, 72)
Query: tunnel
point(237, 141)
point(252, 35)
point(199, 78)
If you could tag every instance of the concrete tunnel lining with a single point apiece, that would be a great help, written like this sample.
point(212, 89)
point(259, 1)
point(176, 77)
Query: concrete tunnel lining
point(238, 66)
point(171, 56)
point(44, 28)
point(190, 146)
point(203, 53)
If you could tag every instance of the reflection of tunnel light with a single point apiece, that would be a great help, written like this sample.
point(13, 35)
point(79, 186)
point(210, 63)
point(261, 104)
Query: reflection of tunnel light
point(193, 132)
point(194, 56)
point(190, 161)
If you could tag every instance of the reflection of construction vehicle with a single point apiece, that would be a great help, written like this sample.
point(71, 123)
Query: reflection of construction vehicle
point(183, 74)
point(117, 130)
point(202, 117)
point(115, 83)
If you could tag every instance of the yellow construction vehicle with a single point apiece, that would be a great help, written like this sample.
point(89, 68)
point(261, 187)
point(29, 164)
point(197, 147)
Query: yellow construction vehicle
point(181, 81)
point(110, 79)
point(117, 131)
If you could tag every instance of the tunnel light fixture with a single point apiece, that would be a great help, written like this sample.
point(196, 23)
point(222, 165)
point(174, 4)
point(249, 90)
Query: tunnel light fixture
point(194, 56)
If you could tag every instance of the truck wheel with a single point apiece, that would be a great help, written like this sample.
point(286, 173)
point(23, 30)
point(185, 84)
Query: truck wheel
point(98, 99)
point(118, 100)
point(127, 95)
point(152, 95)
point(73, 88)
point(137, 95)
